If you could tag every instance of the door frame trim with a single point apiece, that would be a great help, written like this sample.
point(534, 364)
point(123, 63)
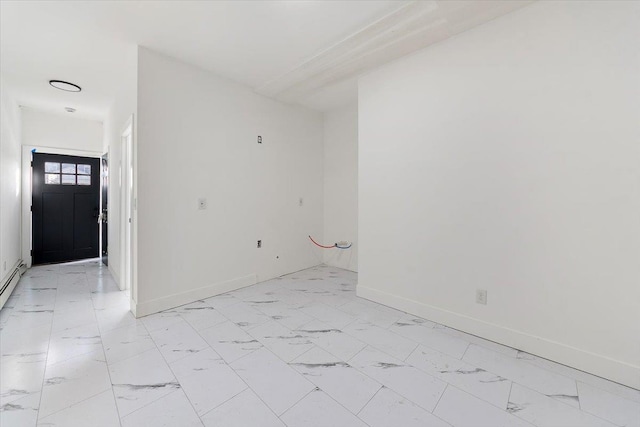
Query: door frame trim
point(27, 225)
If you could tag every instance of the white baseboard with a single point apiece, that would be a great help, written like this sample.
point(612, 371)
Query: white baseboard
point(160, 304)
point(9, 282)
point(592, 363)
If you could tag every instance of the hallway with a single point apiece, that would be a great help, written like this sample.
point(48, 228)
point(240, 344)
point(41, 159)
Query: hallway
point(300, 350)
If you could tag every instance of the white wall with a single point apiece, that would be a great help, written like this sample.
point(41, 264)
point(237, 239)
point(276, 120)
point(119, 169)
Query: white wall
point(10, 189)
point(121, 111)
point(44, 129)
point(508, 159)
point(341, 185)
point(197, 138)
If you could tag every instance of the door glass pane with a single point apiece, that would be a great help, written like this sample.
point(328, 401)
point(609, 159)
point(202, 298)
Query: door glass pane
point(84, 169)
point(68, 168)
point(51, 178)
point(84, 179)
point(53, 167)
point(69, 179)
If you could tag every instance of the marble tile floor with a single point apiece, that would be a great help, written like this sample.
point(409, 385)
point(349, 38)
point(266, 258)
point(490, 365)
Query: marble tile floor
point(300, 350)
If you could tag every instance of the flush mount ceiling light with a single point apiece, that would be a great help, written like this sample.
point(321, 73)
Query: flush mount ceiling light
point(66, 86)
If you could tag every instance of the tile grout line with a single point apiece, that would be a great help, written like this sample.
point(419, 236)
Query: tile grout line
point(106, 364)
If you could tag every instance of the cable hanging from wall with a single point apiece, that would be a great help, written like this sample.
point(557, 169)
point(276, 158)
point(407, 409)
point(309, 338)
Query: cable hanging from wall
point(338, 245)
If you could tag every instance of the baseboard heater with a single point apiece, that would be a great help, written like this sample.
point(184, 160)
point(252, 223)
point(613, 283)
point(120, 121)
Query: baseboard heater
point(10, 282)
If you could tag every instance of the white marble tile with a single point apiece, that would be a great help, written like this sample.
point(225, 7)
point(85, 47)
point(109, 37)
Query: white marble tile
point(345, 384)
point(276, 383)
point(413, 384)
point(368, 312)
point(508, 351)
point(476, 381)
point(460, 409)
point(243, 410)
point(21, 374)
point(140, 380)
point(609, 406)
point(519, 371)
point(428, 336)
point(230, 341)
point(97, 411)
point(543, 411)
point(333, 340)
point(243, 315)
point(72, 381)
point(382, 339)
point(223, 300)
point(207, 380)
point(171, 410)
point(161, 320)
point(114, 318)
point(128, 341)
point(286, 315)
point(200, 315)
point(178, 340)
point(389, 409)
point(73, 318)
point(74, 342)
point(581, 376)
point(329, 315)
point(319, 410)
point(21, 412)
point(284, 343)
point(24, 319)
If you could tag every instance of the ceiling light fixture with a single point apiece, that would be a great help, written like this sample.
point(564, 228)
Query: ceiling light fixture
point(70, 109)
point(66, 86)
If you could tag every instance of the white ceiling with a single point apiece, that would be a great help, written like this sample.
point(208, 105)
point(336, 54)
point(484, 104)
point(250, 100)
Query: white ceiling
point(306, 52)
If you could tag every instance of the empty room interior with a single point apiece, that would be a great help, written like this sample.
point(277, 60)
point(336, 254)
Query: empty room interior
point(320, 213)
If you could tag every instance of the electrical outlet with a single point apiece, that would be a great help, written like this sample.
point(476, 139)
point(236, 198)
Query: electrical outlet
point(259, 244)
point(259, 139)
point(202, 204)
point(481, 296)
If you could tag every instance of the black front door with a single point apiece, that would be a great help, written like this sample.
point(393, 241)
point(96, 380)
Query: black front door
point(66, 199)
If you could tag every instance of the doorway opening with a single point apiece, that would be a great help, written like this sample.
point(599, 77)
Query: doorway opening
point(65, 204)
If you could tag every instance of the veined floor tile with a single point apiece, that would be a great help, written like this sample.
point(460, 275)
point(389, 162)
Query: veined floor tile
point(243, 410)
point(230, 341)
point(276, 383)
point(244, 316)
point(140, 380)
point(366, 311)
point(608, 406)
point(319, 410)
point(333, 340)
point(20, 412)
point(389, 409)
point(329, 315)
point(521, 372)
point(178, 340)
point(476, 381)
point(99, 411)
point(72, 381)
point(284, 343)
point(382, 339)
point(345, 384)
point(171, 410)
point(74, 342)
point(460, 409)
point(428, 336)
point(543, 411)
point(128, 341)
point(413, 384)
point(207, 380)
point(200, 315)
